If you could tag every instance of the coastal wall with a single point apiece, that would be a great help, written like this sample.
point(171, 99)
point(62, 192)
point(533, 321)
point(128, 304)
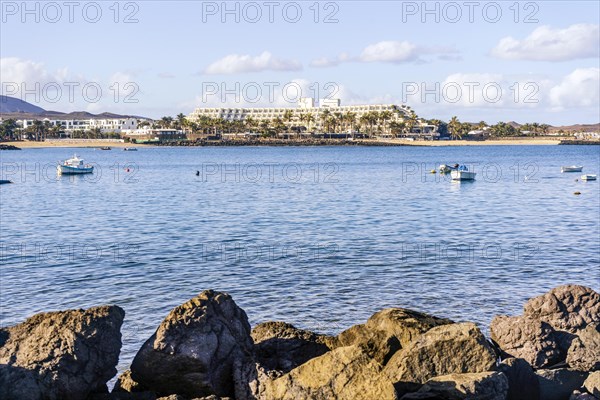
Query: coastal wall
point(206, 349)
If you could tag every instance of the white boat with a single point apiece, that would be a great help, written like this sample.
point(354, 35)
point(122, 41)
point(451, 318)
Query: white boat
point(572, 168)
point(462, 174)
point(129, 149)
point(444, 169)
point(74, 166)
point(588, 177)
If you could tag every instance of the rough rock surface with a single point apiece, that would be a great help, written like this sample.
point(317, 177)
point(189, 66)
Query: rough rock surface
point(473, 386)
point(406, 325)
point(193, 350)
point(346, 373)
point(389, 330)
point(527, 338)
point(281, 346)
point(65, 355)
point(443, 350)
point(559, 384)
point(584, 352)
point(522, 381)
point(566, 308)
point(577, 395)
point(250, 379)
point(125, 383)
point(592, 384)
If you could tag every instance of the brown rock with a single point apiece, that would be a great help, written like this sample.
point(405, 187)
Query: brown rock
point(558, 384)
point(346, 373)
point(527, 338)
point(566, 308)
point(522, 380)
point(406, 325)
point(592, 384)
point(389, 330)
point(473, 386)
point(584, 353)
point(65, 355)
point(447, 349)
point(193, 350)
point(281, 346)
point(125, 383)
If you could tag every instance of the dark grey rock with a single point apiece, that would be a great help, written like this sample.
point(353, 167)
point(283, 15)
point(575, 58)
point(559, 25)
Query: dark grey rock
point(193, 351)
point(66, 355)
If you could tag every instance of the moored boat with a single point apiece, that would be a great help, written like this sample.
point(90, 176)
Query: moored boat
point(105, 148)
point(572, 168)
point(462, 174)
point(4, 181)
point(74, 166)
point(588, 177)
point(129, 149)
point(444, 169)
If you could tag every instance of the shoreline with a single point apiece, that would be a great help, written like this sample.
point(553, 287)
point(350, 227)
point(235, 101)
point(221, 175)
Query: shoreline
point(291, 142)
point(397, 353)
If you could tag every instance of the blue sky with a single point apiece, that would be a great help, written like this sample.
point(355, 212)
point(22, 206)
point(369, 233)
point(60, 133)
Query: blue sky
point(540, 64)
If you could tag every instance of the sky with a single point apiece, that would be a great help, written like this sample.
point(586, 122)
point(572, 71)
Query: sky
point(491, 61)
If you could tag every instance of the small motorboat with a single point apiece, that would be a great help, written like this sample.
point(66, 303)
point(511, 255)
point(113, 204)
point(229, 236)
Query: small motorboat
point(588, 177)
point(572, 168)
point(4, 181)
point(105, 148)
point(129, 149)
point(74, 166)
point(445, 169)
point(462, 174)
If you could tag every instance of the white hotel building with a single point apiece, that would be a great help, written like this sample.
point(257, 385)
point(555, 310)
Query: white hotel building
point(106, 125)
point(305, 105)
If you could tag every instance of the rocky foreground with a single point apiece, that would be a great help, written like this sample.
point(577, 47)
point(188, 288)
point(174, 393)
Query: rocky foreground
point(205, 349)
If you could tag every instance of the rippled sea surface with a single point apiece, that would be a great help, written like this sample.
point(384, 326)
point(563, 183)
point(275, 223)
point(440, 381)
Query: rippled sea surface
point(320, 237)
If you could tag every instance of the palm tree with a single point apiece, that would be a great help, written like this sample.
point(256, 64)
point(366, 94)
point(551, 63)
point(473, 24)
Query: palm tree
point(325, 117)
point(339, 121)
point(166, 122)
point(385, 116)
point(350, 118)
point(309, 118)
point(411, 122)
point(288, 115)
point(455, 128)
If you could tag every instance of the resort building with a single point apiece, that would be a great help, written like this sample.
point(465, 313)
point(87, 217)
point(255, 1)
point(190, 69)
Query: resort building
point(317, 122)
point(106, 125)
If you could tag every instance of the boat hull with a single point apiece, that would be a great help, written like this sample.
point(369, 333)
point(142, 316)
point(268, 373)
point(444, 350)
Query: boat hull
point(66, 170)
point(571, 169)
point(588, 177)
point(463, 175)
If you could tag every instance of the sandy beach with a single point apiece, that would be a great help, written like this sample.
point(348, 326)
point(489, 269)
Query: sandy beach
point(436, 143)
point(71, 143)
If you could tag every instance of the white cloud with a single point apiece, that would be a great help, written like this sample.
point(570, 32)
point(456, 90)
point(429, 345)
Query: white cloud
point(28, 73)
point(390, 51)
point(236, 63)
point(547, 44)
point(581, 88)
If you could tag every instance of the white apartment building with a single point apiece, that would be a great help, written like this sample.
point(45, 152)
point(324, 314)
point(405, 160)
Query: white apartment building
point(107, 125)
point(305, 106)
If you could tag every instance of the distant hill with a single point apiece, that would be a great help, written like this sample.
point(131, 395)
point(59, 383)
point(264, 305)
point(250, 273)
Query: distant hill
point(13, 105)
point(14, 108)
